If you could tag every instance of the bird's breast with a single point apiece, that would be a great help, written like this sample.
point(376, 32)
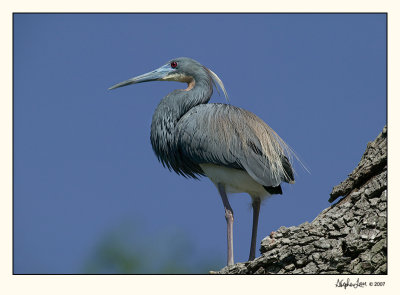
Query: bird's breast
point(235, 180)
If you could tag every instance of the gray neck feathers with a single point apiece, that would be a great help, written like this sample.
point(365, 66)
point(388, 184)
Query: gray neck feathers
point(169, 111)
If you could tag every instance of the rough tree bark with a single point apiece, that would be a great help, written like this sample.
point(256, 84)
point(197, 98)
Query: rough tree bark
point(350, 237)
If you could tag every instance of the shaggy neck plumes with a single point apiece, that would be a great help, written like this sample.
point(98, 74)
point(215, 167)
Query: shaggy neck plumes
point(169, 111)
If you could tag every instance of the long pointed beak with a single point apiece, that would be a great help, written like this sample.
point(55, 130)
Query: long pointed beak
point(155, 75)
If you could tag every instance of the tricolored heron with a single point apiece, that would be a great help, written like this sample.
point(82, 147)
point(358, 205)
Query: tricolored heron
point(233, 147)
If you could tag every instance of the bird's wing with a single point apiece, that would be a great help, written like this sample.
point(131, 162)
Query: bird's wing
point(233, 137)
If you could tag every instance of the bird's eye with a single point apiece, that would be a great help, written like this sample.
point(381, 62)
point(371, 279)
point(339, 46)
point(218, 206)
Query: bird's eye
point(174, 64)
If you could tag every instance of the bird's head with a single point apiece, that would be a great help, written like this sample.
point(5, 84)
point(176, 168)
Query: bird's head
point(182, 69)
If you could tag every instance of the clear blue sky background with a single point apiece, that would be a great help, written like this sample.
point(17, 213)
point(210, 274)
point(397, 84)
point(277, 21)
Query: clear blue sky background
point(83, 163)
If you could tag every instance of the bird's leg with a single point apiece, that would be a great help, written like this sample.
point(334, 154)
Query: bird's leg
point(229, 221)
point(256, 211)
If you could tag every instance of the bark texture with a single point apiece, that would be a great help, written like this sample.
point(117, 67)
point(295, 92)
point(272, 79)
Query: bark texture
point(350, 237)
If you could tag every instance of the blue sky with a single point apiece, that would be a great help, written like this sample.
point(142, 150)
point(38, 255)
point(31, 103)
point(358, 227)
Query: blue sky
point(83, 163)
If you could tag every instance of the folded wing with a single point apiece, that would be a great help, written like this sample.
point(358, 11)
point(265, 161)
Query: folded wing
point(229, 136)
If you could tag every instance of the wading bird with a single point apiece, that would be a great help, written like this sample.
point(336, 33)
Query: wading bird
point(233, 147)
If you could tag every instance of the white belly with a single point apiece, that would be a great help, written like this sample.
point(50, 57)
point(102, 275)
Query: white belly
point(235, 180)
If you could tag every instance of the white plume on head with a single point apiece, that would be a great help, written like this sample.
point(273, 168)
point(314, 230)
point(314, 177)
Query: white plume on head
point(217, 80)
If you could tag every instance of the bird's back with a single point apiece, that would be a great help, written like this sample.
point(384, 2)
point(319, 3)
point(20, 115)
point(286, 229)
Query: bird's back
point(228, 136)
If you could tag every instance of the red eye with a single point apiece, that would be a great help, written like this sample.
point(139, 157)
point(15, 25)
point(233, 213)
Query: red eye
point(174, 64)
